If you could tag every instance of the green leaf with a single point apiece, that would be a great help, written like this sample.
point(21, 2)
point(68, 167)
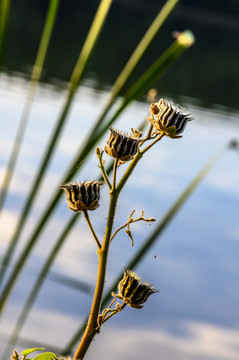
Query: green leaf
point(45, 356)
point(29, 351)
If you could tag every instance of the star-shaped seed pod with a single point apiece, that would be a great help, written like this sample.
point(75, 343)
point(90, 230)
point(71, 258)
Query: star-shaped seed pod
point(121, 146)
point(133, 292)
point(84, 196)
point(169, 118)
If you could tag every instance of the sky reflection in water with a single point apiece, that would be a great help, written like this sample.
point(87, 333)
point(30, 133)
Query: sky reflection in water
point(195, 265)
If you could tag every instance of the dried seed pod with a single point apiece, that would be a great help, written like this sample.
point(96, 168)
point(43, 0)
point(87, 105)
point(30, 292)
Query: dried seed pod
point(121, 146)
point(83, 196)
point(132, 291)
point(169, 118)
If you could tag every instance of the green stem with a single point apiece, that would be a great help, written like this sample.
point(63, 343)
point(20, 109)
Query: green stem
point(115, 311)
point(104, 174)
point(91, 229)
point(153, 143)
point(92, 325)
point(36, 73)
point(114, 174)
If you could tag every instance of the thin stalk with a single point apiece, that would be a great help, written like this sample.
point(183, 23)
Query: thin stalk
point(91, 328)
point(130, 221)
point(134, 162)
point(37, 286)
point(152, 143)
point(114, 174)
point(114, 311)
point(75, 78)
point(153, 237)
point(36, 73)
point(104, 173)
point(137, 56)
point(146, 81)
point(86, 215)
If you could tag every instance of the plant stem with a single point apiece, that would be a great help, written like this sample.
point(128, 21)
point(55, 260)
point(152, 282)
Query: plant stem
point(92, 325)
point(115, 311)
point(104, 173)
point(103, 255)
point(114, 173)
point(153, 143)
point(91, 229)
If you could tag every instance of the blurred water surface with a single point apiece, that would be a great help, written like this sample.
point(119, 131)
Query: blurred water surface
point(195, 263)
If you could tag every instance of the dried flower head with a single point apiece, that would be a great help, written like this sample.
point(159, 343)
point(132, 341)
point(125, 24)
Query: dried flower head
point(121, 146)
point(169, 118)
point(83, 196)
point(132, 291)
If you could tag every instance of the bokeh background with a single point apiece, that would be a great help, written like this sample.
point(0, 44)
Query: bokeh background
point(194, 263)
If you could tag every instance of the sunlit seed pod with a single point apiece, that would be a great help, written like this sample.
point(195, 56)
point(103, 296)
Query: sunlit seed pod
point(121, 146)
point(171, 119)
point(132, 291)
point(84, 196)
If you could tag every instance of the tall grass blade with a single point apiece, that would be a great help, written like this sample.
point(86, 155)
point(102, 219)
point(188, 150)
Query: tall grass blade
point(136, 57)
point(120, 82)
point(33, 294)
point(168, 217)
point(42, 276)
point(149, 77)
point(45, 270)
point(159, 67)
point(74, 81)
point(70, 282)
point(4, 17)
point(36, 73)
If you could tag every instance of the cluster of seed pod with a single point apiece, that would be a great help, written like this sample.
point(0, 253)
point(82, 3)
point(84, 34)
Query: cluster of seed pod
point(166, 118)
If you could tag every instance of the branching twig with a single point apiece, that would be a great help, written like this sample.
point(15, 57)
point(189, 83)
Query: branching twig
point(108, 313)
point(130, 221)
point(92, 229)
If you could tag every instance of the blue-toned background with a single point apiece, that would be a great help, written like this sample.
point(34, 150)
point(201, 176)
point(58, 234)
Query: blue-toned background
point(195, 263)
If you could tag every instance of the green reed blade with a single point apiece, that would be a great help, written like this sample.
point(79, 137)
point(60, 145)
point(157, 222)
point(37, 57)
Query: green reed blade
point(146, 81)
point(136, 57)
point(45, 270)
point(120, 82)
point(74, 81)
point(36, 73)
point(70, 282)
point(41, 277)
point(4, 18)
point(33, 294)
point(172, 54)
point(152, 238)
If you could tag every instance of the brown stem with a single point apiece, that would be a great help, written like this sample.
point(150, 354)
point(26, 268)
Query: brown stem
point(91, 328)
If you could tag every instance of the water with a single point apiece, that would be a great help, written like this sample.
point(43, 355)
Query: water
point(194, 265)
